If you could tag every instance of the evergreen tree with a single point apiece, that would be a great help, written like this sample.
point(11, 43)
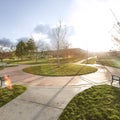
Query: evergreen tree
point(21, 49)
point(31, 48)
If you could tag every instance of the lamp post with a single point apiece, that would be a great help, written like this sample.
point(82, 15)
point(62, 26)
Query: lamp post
point(87, 56)
point(87, 53)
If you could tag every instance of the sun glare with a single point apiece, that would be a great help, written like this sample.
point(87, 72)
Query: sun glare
point(92, 23)
point(92, 45)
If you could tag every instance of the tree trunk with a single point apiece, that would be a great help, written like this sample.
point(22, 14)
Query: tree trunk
point(58, 53)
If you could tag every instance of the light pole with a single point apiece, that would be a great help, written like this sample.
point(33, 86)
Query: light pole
point(87, 53)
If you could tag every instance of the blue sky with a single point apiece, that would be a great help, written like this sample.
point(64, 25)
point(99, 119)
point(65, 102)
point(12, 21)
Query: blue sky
point(91, 19)
point(19, 17)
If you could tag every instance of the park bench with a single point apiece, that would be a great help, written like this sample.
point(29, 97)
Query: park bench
point(116, 78)
point(2, 79)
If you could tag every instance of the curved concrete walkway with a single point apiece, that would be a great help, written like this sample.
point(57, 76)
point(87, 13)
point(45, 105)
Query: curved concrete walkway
point(46, 97)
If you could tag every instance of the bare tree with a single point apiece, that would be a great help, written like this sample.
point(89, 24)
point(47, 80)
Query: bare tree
point(41, 47)
point(59, 39)
point(116, 37)
point(5, 48)
point(4, 53)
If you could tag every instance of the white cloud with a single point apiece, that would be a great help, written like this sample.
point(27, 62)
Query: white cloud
point(39, 36)
point(42, 28)
point(45, 32)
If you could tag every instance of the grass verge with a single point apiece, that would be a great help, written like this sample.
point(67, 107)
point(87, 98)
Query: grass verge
point(42, 61)
point(112, 62)
point(100, 102)
point(63, 70)
point(7, 95)
point(90, 61)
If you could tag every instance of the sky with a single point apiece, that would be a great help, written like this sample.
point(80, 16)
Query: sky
point(91, 20)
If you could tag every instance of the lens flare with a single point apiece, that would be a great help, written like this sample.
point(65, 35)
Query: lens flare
point(8, 81)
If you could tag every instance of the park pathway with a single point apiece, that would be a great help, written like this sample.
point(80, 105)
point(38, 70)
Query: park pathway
point(46, 97)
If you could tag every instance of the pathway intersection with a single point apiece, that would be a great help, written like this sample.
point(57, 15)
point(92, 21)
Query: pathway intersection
point(46, 97)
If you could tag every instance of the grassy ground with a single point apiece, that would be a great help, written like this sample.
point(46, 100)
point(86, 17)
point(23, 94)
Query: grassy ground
point(90, 61)
point(63, 70)
point(96, 103)
point(26, 61)
point(7, 95)
point(1, 67)
point(42, 61)
point(113, 62)
point(8, 65)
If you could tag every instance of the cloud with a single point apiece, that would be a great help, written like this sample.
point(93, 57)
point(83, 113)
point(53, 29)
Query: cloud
point(44, 29)
point(25, 39)
point(44, 32)
point(5, 42)
point(39, 36)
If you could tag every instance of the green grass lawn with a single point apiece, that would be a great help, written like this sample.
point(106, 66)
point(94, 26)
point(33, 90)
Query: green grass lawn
point(8, 65)
point(42, 61)
point(7, 95)
point(26, 61)
point(90, 61)
point(100, 102)
point(113, 62)
point(63, 70)
point(1, 67)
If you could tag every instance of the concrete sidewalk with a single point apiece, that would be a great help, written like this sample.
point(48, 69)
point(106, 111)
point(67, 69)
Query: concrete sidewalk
point(45, 99)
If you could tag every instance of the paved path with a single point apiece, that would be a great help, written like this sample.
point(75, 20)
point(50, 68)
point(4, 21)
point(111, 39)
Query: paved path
point(46, 97)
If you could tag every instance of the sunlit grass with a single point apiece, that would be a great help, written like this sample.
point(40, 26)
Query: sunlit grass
point(41, 61)
point(90, 61)
point(113, 62)
point(63, 70)
point(7, 95)
point(96, 103)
